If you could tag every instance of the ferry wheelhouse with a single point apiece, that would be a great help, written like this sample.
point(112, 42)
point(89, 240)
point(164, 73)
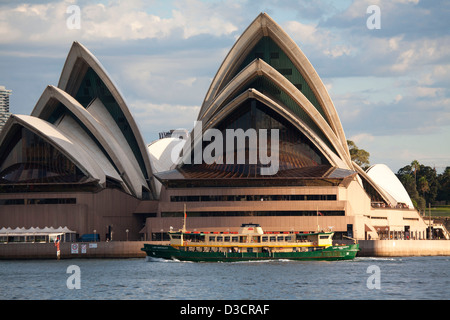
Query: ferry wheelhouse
point(250, 243)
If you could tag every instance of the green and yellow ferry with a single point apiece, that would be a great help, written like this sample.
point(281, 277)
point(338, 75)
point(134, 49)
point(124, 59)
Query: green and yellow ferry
point(248, 244)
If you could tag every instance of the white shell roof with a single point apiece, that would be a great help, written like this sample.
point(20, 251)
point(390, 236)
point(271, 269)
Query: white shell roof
point(164, 155)
point(161, 153)
point(131, 172)
point(386, 179)
point(74, 151)
point(262, 26)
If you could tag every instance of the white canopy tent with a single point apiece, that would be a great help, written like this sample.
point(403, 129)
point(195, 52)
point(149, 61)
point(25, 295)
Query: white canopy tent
point(36, 234)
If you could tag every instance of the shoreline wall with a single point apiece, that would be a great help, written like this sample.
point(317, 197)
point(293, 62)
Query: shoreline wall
point(112, 249)
point(132, 249)
point(404, 248)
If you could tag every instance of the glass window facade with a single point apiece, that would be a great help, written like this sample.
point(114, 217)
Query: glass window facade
point(267, 50)
point(7, 202)
point(29, 159)
point(253, 214)
point(278, 197)
point(273, 91)
point(295, 149)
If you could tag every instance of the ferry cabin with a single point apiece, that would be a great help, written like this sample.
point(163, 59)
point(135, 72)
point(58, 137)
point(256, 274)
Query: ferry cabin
point(250, 238)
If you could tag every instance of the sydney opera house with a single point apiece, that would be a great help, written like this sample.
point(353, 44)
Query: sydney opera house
point(79, 160)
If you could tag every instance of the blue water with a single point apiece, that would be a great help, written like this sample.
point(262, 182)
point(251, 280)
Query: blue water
point(398, 278)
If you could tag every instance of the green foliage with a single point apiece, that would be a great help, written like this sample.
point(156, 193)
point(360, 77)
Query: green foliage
point(359, 156)
point(443, 193)
point(424, 185)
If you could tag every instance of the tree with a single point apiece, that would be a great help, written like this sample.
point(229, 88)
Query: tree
point(409, 182)
point(359, 156)
point(415, 166)
point(444, 185)
point(429, 190)
point(423, 186)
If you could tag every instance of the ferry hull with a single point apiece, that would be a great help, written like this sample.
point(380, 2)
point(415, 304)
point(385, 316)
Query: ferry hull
point(347, 252)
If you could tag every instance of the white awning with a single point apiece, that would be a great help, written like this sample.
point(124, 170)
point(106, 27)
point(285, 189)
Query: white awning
point(34, 231)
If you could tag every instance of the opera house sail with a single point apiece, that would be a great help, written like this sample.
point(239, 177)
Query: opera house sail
point(81, 142)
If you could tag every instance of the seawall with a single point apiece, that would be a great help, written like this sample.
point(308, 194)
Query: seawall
point(132, 249)
point(403, 248)
point(112, 249)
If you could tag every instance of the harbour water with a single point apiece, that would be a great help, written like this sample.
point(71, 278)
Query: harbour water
point(408, 278)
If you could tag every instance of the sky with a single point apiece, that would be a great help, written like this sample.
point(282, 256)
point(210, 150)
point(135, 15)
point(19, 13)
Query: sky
point(390, 85)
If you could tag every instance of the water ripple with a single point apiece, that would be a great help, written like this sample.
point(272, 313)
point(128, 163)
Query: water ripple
point(400, 278)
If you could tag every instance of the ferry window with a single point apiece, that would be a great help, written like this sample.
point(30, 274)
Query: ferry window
point(227, 239)
point(176, 236)
point(288, 238)
point(273, 239)
point(249, 249)
point(323, 237)
point(265, 238)
point(280, 238)
point(219, 238)
point(212, 238)
point(235, 239)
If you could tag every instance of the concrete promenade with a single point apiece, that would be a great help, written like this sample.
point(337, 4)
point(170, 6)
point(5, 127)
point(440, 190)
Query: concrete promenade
point(404, 248)
point(132, 249)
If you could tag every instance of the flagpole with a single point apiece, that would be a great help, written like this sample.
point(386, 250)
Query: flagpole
point(317, 217)
point(184, 221)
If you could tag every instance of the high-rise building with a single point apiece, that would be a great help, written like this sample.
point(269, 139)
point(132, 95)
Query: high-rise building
point(4, 106)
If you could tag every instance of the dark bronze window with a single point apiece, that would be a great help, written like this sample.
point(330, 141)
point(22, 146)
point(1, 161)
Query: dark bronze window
point(295, 149)
point(254, 213)
point(288, 197)
point(30, 159)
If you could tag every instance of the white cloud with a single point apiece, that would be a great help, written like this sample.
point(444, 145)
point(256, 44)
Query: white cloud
point(407, 1)
point(305, 33)
point(338, 51)
point(189, 82)
point(392, 81)
point(154, 118)
point(394, 42)
point(427, 91)
point(176, 78)
point(318, 39)
point(199, 20)
point(120, 19)
point(404, 61)
point(362, 138)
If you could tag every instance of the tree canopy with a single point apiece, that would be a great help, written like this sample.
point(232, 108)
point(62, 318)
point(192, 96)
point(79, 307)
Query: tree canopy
point(359, 156)
point(424, 185)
